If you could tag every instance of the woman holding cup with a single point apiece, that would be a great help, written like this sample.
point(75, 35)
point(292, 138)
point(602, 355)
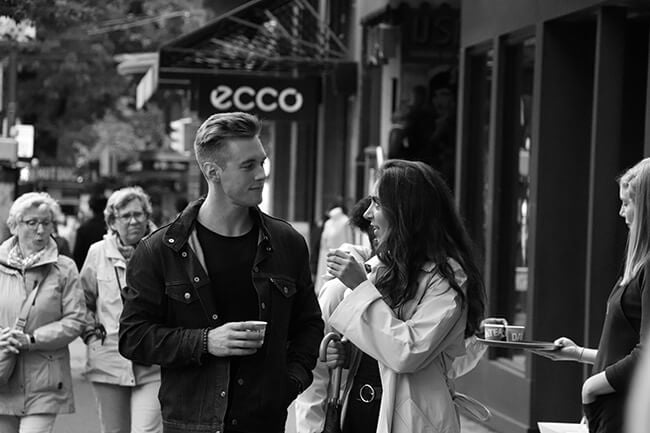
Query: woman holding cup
point(414, 309)
point(628, 314)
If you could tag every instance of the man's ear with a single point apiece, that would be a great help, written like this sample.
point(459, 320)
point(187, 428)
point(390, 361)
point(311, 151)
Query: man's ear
point(212, 171)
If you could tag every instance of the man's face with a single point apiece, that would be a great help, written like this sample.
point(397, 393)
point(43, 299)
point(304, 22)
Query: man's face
point(242, 173)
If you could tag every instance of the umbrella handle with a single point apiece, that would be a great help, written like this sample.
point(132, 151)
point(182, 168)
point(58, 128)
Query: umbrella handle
point(337, 372)
point(322, 352)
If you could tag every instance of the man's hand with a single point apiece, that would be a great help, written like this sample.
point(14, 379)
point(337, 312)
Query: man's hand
point(234, 339)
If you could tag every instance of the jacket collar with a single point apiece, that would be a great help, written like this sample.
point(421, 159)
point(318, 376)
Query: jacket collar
point(50, 255)
point(180, 230)
point(112, 252)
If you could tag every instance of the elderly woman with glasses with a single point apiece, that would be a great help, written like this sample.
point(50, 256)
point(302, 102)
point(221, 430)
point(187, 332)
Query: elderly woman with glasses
point(37, 282)
point(126, 393)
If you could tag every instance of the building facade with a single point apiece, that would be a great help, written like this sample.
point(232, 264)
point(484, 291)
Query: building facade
point(552, 108)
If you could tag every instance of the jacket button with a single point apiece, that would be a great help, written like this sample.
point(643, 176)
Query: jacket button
point(263, 306)
point(256, 269)
point(171, 241)
point(240, 381)
point(184, 254)
point(187, 295)
point(197, 279)
point(215, 317)
point(234, 422)
point(286, 290)
point(223, 393)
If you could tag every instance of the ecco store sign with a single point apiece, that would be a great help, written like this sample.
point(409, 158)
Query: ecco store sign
point(267, 99)
point(270, 98)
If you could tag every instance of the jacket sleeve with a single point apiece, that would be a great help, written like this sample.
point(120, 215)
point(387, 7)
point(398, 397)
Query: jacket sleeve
point(88, 282)
point(60, 333)
point(143, 336)
point(404, 346)
point(306, 324)
point(474, 351)
point(619, 374)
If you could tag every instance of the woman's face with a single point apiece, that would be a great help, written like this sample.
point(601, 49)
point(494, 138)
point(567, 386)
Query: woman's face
point(378, 220)
point(131, 222)
point(34, 229)
point(627, 205)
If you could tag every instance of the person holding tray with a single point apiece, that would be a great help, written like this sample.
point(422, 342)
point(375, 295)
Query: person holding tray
point(627, 319)
point(422, 297)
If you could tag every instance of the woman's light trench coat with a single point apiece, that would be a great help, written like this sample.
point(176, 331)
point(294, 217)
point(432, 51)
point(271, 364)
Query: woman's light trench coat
point(41, 381)
point(415, 348)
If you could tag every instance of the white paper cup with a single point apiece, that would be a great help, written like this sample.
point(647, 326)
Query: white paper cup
point(515, 333)
point(258, 326)
point(494, 332)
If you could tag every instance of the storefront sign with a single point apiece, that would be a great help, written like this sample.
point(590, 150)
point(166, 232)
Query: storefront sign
point(269, 98)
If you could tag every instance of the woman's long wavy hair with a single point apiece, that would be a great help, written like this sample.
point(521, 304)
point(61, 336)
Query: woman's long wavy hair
point(424, 226)
point(636, 181)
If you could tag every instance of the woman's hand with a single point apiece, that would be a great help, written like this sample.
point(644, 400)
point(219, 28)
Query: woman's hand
point(569, 351)
point(594, 386)
point(344, 267)
point(337, 355)
point(8, 342)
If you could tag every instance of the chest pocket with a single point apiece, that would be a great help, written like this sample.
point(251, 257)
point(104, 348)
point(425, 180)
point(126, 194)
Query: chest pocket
point(286, 286)
point(183, 293)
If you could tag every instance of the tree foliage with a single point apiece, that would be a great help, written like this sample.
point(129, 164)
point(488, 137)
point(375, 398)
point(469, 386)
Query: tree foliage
point(68, 85)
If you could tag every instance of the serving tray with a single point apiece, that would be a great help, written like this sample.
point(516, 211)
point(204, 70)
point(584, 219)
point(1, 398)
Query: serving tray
point(526, 345)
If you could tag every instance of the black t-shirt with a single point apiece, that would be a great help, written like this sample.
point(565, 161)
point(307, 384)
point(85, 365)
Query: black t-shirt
point(229, 261)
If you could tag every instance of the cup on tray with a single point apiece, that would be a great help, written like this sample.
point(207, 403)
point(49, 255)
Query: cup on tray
point(515, 333)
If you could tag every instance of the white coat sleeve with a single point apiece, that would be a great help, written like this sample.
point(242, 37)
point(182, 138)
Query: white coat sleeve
point(403, 346)
point(474, 351)
point(311, 404)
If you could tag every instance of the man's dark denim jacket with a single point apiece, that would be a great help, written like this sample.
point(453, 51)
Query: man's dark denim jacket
point(169, 301)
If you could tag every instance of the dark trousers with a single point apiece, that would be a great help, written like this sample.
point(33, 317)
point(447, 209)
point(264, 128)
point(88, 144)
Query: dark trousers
point(605, 415)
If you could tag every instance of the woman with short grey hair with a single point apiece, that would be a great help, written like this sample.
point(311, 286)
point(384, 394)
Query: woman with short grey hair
point(126, 393)
point(35, 276)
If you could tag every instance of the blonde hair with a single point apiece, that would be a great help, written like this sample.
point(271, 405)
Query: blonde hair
point(31, 200)
point(123, 197)
point(636, 181)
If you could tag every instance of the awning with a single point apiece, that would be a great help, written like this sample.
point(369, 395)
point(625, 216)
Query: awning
point(277, 37)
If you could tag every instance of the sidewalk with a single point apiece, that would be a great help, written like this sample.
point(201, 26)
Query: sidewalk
point(86, 401)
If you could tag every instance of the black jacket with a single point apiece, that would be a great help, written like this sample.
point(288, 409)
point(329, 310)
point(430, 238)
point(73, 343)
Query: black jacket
point(169, 301)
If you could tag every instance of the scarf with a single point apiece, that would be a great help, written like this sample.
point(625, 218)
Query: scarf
point(16, 259)
point(125, 250)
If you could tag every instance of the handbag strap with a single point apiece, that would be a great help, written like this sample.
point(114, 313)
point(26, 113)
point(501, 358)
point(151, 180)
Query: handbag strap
point(21, 321)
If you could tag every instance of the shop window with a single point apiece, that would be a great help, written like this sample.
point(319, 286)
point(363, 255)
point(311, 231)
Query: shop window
point(512, 249)
point(478, 136)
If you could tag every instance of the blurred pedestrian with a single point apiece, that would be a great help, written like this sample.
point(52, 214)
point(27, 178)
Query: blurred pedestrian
point(196, 286)
point(422, 297)
point(33, 272)
point(126, 392)
point(90, 231)
point(336, 231)
point(627, 319)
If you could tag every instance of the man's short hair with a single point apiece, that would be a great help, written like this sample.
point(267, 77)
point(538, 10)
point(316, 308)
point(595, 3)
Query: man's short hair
point(217, 128)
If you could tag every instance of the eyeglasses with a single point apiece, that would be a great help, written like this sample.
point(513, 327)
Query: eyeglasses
point(33, 224)
point(138, 216)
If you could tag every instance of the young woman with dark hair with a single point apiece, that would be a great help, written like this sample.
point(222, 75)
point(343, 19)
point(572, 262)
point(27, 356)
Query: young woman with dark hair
point(422, 297)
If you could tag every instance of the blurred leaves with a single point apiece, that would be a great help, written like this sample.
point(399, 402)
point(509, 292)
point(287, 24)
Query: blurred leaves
point(68, 85)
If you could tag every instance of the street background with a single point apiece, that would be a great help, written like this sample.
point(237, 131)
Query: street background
point(85, 419)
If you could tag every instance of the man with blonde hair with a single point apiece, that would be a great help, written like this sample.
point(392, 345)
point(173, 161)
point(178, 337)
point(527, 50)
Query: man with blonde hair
point(196, 286)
